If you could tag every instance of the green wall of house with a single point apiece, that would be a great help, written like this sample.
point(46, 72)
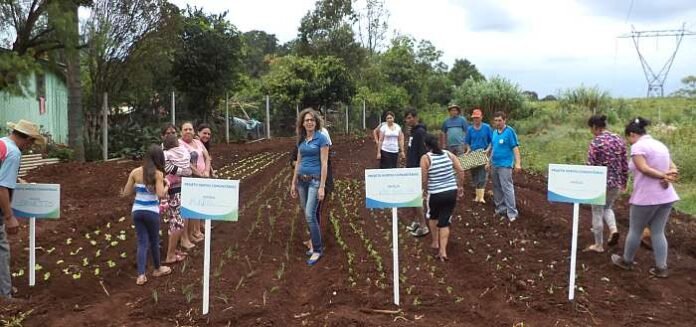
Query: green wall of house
point(54, 120)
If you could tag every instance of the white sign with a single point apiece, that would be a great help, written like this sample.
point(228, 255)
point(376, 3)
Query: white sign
point(393, 188)
point(215, 199)
point(577, 184)
point(36, 201)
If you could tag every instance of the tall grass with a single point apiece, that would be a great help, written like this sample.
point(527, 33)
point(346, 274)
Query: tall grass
point(556, 133)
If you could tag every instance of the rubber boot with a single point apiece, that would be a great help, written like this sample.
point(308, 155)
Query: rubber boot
point(480, 193)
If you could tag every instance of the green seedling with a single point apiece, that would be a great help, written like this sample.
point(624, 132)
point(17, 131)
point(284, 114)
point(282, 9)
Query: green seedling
point(123, 255)
point(111, 263)
point(47, 275)
point(59, 262)
point(49, 251)
point(68, 241)
point(113, 243)
point(76, 276)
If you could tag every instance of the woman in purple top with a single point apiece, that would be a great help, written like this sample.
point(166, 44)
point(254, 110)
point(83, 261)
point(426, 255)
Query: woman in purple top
point(652, 198)
point(609, 150)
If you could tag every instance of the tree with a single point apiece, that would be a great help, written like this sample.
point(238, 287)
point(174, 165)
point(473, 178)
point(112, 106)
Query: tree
point(257, 46)
point(462, 70)
point(372, 25)
point(689, 89)
point(531, 95)
point(327, 31)
point(209, 61)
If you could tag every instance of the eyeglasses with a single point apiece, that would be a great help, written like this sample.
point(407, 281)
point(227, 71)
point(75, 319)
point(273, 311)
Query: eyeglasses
point(309, 120)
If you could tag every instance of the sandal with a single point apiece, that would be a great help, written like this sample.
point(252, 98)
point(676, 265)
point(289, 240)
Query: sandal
point(141, 280)
point(314, 258)
point(594, 248)
point(178, 258)
point(188, 247)
point(181, 253)
point(441, 258)
point(162, 271)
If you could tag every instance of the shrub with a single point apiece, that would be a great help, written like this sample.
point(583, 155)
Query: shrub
point(495, 94)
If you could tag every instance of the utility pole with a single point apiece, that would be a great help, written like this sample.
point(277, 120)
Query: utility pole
point(656, 81)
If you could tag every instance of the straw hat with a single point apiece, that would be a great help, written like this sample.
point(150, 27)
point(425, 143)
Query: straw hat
point(27, 128)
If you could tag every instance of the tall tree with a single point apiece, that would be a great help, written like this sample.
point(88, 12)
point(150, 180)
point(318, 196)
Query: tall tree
point(258, 45)
point(209, 62)
point(462, 70)
point(328, 31)
point(373, 25)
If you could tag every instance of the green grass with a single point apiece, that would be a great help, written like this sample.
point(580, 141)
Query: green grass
point(559, 135)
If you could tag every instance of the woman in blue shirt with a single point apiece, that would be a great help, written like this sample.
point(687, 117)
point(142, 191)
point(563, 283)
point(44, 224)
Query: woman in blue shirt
point(309, 179)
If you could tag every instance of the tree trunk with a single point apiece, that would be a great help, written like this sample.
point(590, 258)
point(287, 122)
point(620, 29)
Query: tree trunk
point(75, 114)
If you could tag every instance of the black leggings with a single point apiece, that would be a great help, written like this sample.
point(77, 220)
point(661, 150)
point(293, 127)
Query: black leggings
point(388, 159)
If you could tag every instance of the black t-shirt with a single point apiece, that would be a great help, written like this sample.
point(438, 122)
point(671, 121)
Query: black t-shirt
point(416, 146)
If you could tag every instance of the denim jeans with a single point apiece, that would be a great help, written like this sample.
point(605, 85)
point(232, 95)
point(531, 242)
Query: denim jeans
point(307, 192)
point(504, 192)
point(147, 227)
point(5, 277)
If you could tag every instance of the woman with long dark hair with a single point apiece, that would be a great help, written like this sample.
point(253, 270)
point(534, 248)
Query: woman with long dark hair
point(200, 164)
point(309, 178)
point(443, 178)
point(391, 143)
point(149, 185)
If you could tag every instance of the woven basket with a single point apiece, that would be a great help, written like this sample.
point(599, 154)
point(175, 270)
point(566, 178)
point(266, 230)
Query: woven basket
point(473, 159)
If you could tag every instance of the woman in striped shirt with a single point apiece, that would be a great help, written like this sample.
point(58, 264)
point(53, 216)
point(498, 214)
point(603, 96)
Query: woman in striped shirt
point(441, 188)
point(149, 185)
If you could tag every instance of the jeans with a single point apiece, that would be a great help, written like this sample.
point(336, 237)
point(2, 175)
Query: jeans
point(5, 277)
point(478, 177)
point(602, 213)
point(307, 192)
point(655, 217)
point(147, 227)
point(504, 192)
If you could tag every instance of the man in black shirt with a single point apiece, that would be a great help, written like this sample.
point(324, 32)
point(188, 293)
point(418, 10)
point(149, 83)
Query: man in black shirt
point(416, 149)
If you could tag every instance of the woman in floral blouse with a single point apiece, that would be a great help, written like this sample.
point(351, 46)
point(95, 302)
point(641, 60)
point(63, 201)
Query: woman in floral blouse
point(609, 150)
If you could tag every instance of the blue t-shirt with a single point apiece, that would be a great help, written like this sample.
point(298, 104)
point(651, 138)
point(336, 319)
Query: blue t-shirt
point(10, 157)
point(455, 127)
point(503, 144)
point(478, 139)
point(310, 151)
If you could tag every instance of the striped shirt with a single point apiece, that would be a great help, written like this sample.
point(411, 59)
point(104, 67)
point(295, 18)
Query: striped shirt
point(145, 200)
point(441, 176)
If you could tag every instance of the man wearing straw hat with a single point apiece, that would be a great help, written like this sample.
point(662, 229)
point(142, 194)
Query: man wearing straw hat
point(23, 135)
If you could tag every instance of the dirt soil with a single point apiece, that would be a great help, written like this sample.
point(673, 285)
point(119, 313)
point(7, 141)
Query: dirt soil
point(499, 273)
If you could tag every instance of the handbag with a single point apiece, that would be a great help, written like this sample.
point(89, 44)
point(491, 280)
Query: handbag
point(473, 159)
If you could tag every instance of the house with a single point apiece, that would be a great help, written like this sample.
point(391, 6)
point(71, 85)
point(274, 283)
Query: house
point(45, 102)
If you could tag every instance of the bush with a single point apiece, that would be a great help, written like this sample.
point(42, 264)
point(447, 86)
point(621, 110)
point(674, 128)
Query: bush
point(591, 98)
point(495, 94)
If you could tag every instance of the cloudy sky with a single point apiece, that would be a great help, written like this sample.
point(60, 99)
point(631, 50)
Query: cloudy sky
point(543, 45)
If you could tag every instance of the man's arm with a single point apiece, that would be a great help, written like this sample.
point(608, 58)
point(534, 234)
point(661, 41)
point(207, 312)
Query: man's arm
point(11, 224)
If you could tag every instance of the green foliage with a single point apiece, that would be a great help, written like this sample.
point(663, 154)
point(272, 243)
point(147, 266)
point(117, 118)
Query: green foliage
point(589, 98)
point(462, 70)
point(131, 139)
point(553, 134)
point(15, 71)
point(209, 61)
point(258, 46)
point(496, 94)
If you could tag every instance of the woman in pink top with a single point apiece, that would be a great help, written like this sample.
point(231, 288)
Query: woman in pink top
point(200, 164)
point(652, 198)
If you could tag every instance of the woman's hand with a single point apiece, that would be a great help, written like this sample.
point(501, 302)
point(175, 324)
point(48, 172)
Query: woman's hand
point(293, 191)
point(402, 155)
point(460, 192)
point(320, 193)
point(379, 156)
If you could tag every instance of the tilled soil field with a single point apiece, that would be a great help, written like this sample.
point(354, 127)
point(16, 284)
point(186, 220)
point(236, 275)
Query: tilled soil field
point(499, 273)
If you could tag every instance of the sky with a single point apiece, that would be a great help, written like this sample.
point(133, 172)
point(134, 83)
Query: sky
point(543, 45)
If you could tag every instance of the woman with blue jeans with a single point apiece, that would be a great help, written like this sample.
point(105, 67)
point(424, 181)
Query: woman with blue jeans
point(309, 178)
point(149, 185)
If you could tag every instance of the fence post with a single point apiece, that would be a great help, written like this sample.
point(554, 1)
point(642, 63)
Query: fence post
point(268, 116)
point(173, 109)
point(227, 117)
point(346, 119)
point(105, 127)
point(364, 118)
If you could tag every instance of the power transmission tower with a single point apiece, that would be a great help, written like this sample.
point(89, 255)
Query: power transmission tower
point(655, 81)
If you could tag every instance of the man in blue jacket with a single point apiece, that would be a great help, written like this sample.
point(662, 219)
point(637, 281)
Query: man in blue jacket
point(416, 149)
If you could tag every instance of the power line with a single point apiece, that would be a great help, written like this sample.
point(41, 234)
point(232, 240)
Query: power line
point(656, 81)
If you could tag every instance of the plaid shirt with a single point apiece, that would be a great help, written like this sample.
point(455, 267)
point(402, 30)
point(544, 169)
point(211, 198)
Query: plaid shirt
point(608, 149)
